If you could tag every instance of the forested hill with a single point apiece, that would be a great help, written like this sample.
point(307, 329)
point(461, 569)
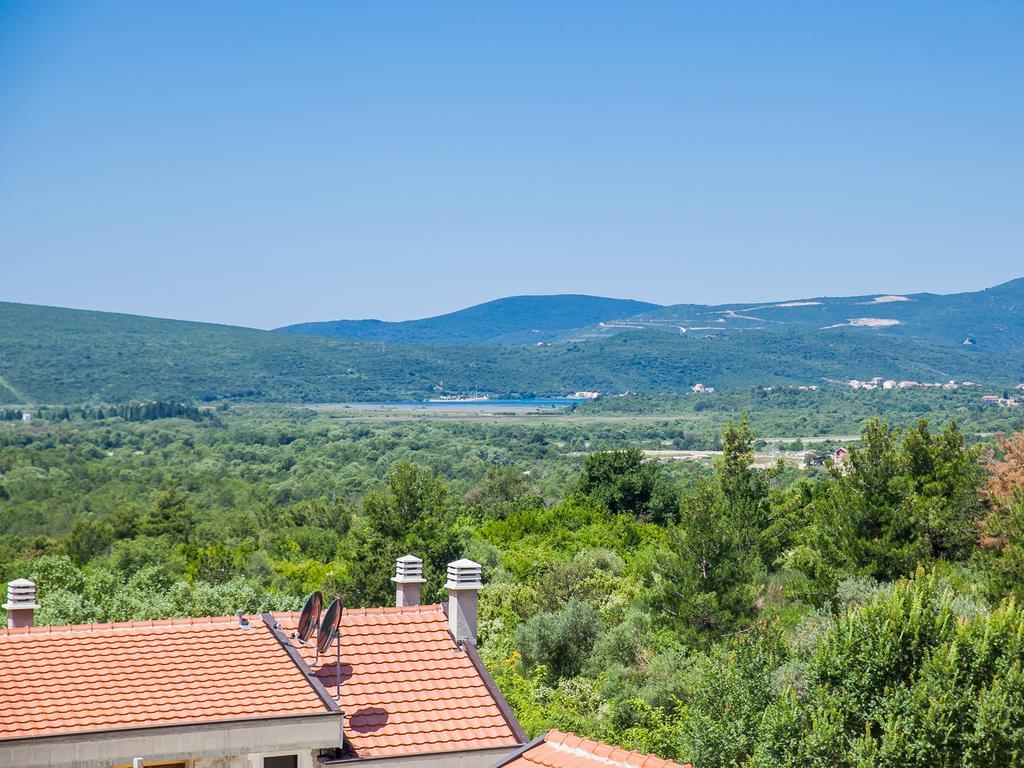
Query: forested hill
point(50, 355)
point(992, 318)
point(513, 320)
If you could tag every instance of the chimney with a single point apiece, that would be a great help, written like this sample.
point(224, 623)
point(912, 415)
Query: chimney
point(463, 586)
point(21, 603)
point(408, 577)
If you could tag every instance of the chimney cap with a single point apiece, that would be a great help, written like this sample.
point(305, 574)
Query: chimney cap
point(21, 595)
point(464, 574)
point(408, 570)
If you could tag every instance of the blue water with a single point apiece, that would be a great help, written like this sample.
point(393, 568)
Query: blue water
point(532, 403)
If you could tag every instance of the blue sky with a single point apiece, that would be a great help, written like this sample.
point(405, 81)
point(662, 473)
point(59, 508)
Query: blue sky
point(262, 163)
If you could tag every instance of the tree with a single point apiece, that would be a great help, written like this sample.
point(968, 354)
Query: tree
point(216, 563)
point(626, 483)
point(1006, 469)
point(501, 489)
point(727, 693)
point(412, 514)
point(735, 471)
point(745, 489)
point(1004, 548)
point(908, 501)
point(560, 640)
point(940, 484)
point(705, 574)
point(88, 538)
point(901, 682)
point(171, 516)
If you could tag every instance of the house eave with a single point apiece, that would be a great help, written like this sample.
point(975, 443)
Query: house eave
point(457, 758)
point(102, 748)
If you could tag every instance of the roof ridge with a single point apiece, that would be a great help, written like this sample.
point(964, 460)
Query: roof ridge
point(605, 753)
point(46, 629)
point(392, 609)
point(42, 629)
point(383, 610)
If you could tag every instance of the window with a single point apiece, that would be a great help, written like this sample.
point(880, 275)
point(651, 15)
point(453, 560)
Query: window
point(283, 761)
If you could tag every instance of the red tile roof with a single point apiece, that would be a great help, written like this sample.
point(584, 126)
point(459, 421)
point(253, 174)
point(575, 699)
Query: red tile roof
point(406, 687)
point(565, 750)
point(59, 680)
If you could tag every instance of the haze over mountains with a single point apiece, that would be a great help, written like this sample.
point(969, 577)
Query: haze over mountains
point(544, 345)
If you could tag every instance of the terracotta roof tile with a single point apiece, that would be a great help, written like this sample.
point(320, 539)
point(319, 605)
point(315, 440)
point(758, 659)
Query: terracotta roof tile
point(406, 687)
point(566, 750)
point(69, 679)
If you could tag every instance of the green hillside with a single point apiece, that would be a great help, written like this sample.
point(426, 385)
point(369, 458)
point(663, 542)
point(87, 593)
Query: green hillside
point(513, 320)
point(992, 319)
point(50, 355)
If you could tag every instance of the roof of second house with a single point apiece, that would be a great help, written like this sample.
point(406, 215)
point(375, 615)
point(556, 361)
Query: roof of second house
point(79, 679)
point(408, 689)
point(565, 750)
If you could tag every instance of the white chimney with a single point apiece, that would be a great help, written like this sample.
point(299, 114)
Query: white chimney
point(408, 577)
point(463, 586)
point(21, 603)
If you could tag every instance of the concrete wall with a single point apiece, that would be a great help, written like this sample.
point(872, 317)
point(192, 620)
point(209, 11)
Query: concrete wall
point(307, 759)
point(468, 759)
point(241, 744)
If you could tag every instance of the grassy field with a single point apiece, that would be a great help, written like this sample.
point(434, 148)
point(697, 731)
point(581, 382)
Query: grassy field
point(833, 413)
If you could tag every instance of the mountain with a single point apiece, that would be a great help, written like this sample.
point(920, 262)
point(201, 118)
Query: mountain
point(992, 318)
point(513, 320)
point(53, 355)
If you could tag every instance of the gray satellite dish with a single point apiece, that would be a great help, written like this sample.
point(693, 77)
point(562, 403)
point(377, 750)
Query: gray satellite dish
point(328, 630)
point(310, 616)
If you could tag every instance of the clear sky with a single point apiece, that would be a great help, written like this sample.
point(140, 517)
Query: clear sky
point(263, 163)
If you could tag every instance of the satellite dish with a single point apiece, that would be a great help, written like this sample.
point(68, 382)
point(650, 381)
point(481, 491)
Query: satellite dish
point(310, 616)
point(329, 626)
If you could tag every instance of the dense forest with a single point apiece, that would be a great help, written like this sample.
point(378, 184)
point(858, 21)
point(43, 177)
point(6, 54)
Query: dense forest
point(726, 612)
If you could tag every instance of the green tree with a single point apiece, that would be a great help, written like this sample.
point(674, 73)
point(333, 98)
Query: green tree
point(88, 538)
point(560, 640)
point(942, 489)
point(412, 514)
point(704, 576)
point(501, 490)
point(900, 681)
point(911, 500)
point(727, 693)
point(626, 483)
point(216, 563)
point(171, 516)
point(745, 490)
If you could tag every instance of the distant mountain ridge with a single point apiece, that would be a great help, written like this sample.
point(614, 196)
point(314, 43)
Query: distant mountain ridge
point(50, 355)
point(512, 320)
point(992, 318)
